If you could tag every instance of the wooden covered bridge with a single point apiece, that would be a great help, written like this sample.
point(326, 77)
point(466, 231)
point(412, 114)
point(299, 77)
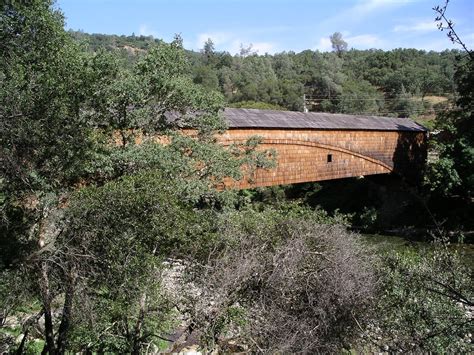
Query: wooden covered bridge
point(318, 146)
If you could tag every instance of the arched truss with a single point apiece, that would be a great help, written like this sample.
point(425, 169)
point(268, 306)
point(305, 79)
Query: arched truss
point(312, 144)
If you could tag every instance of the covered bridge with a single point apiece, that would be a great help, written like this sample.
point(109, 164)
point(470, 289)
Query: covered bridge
point(318, 146)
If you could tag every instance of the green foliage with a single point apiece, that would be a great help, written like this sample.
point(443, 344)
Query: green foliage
point(117, 235)
point(256, 105)
point(441, 176)
point(368, 218)
point(45, 131)
point(88, 214)
point(42, 94)
point(453, 172)
point(35, 347)
point(283, 78)
point(359, 97)
point(12, 295)
point(405, 105)
point(423, 301)
point(337, 43)
point(91, 210)
point(92, 213)
point(98, 41)
point(206, 77)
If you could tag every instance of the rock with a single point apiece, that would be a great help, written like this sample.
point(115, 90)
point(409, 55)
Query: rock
point(12, 322)
point(191, 350)
point(19, 338)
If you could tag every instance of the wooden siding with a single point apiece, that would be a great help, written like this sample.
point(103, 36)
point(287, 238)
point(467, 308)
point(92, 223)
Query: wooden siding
point(302, 154)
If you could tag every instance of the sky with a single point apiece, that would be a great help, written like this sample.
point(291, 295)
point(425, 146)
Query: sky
point(273, 26)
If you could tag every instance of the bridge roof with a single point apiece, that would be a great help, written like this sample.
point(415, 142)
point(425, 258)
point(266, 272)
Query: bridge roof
point(253, 118)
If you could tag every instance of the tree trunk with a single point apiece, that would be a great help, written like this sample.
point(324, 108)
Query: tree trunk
point(67, 310)
point(26, 329)
point(21, 348)
point(138, 326)
point(48, 319)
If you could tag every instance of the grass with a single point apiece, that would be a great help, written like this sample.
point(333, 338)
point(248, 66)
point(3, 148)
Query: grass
point(435, 99)
point(35, 346)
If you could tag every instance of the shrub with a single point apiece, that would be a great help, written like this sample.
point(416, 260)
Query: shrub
point(299, 285)
point(425, 301)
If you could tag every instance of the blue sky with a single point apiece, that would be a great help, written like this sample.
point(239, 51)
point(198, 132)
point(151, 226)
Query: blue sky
point(276, 25)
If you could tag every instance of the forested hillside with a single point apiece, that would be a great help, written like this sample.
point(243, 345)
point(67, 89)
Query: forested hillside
point(400, 82)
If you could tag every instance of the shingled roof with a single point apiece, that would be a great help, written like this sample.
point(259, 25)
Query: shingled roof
point(252, 118)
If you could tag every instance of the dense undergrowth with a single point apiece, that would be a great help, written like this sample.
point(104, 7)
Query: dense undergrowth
point(282, 278)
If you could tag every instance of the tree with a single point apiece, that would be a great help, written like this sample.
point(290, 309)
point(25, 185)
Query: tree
point(208, 50)
point(337, 43)
point(359, 97)
point(70, 121)
point(206, 76)
point(405, 105)
point(45, 138)
point(121, 305)
point(256, 80)
point(454, 170)
point(246, 50)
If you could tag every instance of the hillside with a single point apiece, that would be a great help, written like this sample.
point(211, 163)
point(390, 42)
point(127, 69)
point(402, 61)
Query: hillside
point(401, 82)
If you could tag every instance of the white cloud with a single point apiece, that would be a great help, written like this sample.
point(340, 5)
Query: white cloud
point(226, 41)
point(444, 43)
point(354, 16)
point(364, 41)
point(218, 38)
point(360, 11)
point(263, 47)
point(364, 8)
point(421, 26)
point(435, 45)
point(324, 44)
point(144, 30)
point(368, 6)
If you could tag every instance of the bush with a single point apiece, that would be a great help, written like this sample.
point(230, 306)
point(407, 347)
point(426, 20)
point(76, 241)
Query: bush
point(105, 266)
point(298, 285)
point(425, 301)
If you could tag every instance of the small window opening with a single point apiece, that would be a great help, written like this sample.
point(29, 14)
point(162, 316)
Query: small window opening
point(329, 158)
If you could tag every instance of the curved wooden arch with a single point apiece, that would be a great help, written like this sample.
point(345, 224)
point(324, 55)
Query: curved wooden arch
point(313, 144)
